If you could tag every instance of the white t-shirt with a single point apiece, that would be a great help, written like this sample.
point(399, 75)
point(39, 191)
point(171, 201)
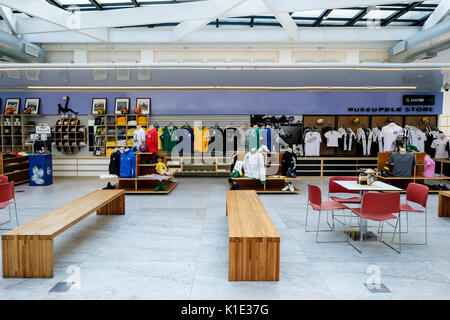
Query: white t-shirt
point(332, 138)
point(418, 139)
point(440, 145)
point(390, 133)
point(312, 144)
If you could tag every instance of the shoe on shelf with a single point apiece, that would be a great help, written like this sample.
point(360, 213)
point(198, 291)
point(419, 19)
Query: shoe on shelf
point(291, 187)
point(285, 188)
point(158, 188)
point(164, 187)
point(109, 186)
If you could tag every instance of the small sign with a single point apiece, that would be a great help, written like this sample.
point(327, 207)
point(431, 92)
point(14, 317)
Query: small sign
point(418, 100)
point(43, 129)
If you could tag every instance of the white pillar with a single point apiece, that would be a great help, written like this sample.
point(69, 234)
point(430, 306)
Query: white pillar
point(147, 56)
point(285, 56)
point(80, 56)
point(353, 56)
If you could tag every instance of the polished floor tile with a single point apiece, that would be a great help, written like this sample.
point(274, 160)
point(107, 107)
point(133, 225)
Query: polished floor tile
point(176, 247)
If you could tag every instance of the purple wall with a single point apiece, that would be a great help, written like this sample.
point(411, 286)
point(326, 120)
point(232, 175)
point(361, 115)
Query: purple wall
point(231, 102)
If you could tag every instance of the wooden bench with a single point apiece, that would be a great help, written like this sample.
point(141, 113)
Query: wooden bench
point(27, 251)
point(254, 243)
point(444, 204)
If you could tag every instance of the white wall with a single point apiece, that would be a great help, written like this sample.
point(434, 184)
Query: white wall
point(216, 55)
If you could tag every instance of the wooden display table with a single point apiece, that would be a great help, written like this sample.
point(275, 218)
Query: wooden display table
point(254, 243)
point(444, 204)
point(143, 167)
point(27, 251)
point(273, 184)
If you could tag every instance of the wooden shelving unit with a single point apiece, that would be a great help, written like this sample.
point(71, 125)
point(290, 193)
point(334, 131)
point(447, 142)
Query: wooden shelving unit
point(116, 130)
point(272, 185)
point(14, 129)
point(145, 185)
point(69, 135)
point(15, 168)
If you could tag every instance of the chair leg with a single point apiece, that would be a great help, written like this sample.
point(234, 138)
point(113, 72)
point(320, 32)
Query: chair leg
point(399, 224)
point(306, 220)
point(15, 208)
point(426, 226)
point(318, 226)
point(10, 219)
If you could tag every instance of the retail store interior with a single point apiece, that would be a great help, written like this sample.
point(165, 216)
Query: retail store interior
point(223, 150)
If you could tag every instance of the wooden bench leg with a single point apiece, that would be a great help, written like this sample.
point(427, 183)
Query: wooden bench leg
point(443, 206)
point(115, 207)
point(29, 257)
point(254, 259)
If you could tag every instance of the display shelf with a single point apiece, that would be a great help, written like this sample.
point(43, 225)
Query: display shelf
point(145, 189)
point(272, 185)
point(19, 172)
point(106, 129)
point(333, 166)
point(67, 136)
point(145, 185)
point(13, 134)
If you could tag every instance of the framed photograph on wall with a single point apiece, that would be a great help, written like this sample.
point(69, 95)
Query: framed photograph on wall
point(122, 105)
point(12, 106)
point(144, 104)
point(31, 105)
point(99, 106)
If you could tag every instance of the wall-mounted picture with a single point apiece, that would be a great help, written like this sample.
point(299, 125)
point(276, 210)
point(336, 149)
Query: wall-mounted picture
point(31, 106)
point(99, 106)
point(143, 105)
point(122, 105)
point(12, 106)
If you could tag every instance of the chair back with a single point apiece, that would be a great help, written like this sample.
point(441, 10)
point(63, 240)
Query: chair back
point(3, 179)
point(375, 203)
point(333, 187)
point(314, 195)
point(417, 193)
point(6, 191)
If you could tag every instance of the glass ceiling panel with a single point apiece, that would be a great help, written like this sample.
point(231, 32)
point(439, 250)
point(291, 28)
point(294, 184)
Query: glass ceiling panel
point(73, 2)
point(309, 13)
point(343, 13)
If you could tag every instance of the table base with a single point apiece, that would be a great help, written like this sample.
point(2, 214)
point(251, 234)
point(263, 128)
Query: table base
point(367, 236)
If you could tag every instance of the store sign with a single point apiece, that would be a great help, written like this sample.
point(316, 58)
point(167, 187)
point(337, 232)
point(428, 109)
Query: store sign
point(389, 110)
point(418, 100)
point(43, 129)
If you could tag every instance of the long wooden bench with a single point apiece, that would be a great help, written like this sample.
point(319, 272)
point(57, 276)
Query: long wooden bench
point(27, 251)
point(254, 243)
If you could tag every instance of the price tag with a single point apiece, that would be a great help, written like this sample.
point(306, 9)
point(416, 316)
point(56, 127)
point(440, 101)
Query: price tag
point(43, 129)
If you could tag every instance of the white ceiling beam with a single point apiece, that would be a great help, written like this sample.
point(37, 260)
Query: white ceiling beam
point(439, 14)
point(185, 28)
point(179, 12)
point(318, 35)
point(284, 19)
point(9, 18)
point(43, 10)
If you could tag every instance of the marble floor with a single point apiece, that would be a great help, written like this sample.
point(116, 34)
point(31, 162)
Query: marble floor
point(176, 247)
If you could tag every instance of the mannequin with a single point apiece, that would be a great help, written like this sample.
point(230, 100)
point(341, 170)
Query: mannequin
point(139, 136)
point(254, 165)
point(441, 146)
point(403, 163)
point(288, 167)
point(151, 141)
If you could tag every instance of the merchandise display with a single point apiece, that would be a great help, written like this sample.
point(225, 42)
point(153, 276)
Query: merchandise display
point(403, 163)
point(441, 146)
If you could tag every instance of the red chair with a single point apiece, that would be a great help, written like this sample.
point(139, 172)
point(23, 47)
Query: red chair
point(7, 198)
point(334, 188)
point(316, 203)
point(380, 207)
point(3, 179)
point(418, 194)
